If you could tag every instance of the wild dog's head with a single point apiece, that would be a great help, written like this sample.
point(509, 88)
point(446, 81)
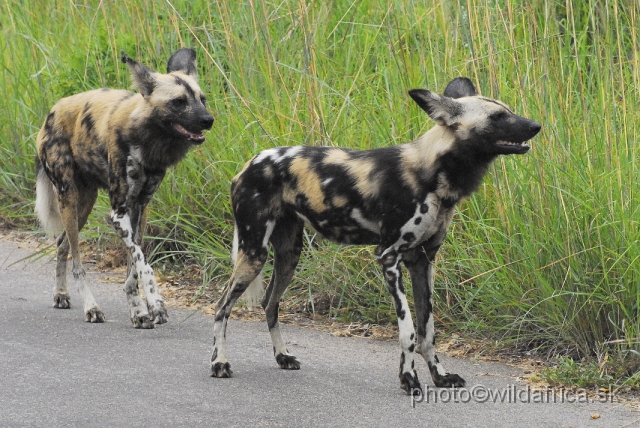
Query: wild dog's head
point(479, 124)
point(177, 102)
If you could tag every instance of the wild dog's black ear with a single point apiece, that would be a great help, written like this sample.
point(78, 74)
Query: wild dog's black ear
point(183, 60)
point(143, 79)
point(443, 110)
point(460, 87)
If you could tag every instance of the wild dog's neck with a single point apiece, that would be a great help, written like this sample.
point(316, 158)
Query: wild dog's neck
point(463, 171)
point(163, 152)
point(159, 146)
point(159, 151)
point(434, 143)
point(438, 152)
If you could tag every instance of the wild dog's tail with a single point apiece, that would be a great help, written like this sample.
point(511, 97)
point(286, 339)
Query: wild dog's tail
point(46, 202)
point(252, 296)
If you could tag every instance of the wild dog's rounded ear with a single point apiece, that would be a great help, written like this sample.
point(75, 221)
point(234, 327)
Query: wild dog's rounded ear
point(183, 60)
point(460, 87)
point(142, 76)
point(443, 110)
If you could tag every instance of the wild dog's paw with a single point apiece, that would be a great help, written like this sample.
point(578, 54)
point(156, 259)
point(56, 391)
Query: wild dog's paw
point(410, 384)
point(287, 362)
point(159, 313)
point(142, 321)
point(449, 380)
point(94, 315)
point(221, 370)
point(61, 301)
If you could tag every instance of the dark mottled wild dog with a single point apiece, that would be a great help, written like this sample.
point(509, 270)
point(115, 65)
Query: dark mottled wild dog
point(399, 198)
point(124, 142)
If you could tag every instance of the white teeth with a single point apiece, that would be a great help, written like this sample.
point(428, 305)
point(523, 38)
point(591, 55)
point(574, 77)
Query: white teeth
point(509, 143)
point(183, 131)
point(520, 146)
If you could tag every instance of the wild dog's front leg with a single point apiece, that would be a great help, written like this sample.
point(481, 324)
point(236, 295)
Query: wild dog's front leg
point(139, 271)
point(138, 312)
point(390, 262)
point(420, 267)
point(154, 301)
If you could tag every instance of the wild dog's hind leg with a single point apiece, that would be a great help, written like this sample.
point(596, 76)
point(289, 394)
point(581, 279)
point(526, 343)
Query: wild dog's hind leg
point(252, 254)
point(61, 298)
point(86, 200)
point(420, 267)
point(390, 260)
point(74, 204)
point(287, 246)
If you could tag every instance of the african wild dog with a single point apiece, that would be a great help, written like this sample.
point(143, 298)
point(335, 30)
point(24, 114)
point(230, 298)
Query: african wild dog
point(124, 142)
point(399, 198)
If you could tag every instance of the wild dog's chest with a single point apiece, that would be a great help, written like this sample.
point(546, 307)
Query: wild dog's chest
point(130, 182)
point(141, 182)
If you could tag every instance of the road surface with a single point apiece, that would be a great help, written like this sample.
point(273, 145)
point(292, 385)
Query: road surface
point(57, 370)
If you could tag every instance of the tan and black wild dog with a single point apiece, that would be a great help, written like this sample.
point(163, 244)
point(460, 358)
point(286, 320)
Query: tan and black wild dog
point(400, 199)
point(124, 142)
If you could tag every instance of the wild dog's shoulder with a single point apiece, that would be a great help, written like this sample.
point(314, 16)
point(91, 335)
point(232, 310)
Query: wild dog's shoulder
point(278, 155)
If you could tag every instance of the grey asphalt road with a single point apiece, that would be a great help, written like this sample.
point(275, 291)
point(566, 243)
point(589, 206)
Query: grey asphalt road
point(57, 370)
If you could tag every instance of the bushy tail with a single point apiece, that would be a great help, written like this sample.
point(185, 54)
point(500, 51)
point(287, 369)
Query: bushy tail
point(252, 296)
point(47, 202)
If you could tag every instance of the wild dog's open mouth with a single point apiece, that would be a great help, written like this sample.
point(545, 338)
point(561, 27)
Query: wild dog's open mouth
point(512, 147)
point(196, 138)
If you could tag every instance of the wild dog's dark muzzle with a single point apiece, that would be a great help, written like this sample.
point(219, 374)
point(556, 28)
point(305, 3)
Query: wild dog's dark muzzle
point(534, 127)
point(515, 143)
point(206, 121)
point(202, 123)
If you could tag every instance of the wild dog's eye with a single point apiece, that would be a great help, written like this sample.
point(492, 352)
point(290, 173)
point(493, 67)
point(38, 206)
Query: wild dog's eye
point(179, 102)
point(203, 100)
point(498, 115)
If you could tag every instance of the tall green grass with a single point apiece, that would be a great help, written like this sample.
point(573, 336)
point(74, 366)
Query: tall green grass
point(545, 255)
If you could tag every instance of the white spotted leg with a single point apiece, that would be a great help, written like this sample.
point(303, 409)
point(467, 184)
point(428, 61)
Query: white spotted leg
point(143, 314)
point(390, 262)
point(420, 267)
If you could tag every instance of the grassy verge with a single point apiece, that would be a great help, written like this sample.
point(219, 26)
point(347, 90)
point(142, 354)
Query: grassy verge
point(546, 256)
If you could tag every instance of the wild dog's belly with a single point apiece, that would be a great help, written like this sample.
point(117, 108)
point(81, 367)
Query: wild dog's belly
point(340, 228)
point(93, 167)
point(353, 226)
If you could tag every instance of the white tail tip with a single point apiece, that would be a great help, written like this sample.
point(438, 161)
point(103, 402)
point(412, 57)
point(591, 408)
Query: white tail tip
point(47, 204)
point(252, 296)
